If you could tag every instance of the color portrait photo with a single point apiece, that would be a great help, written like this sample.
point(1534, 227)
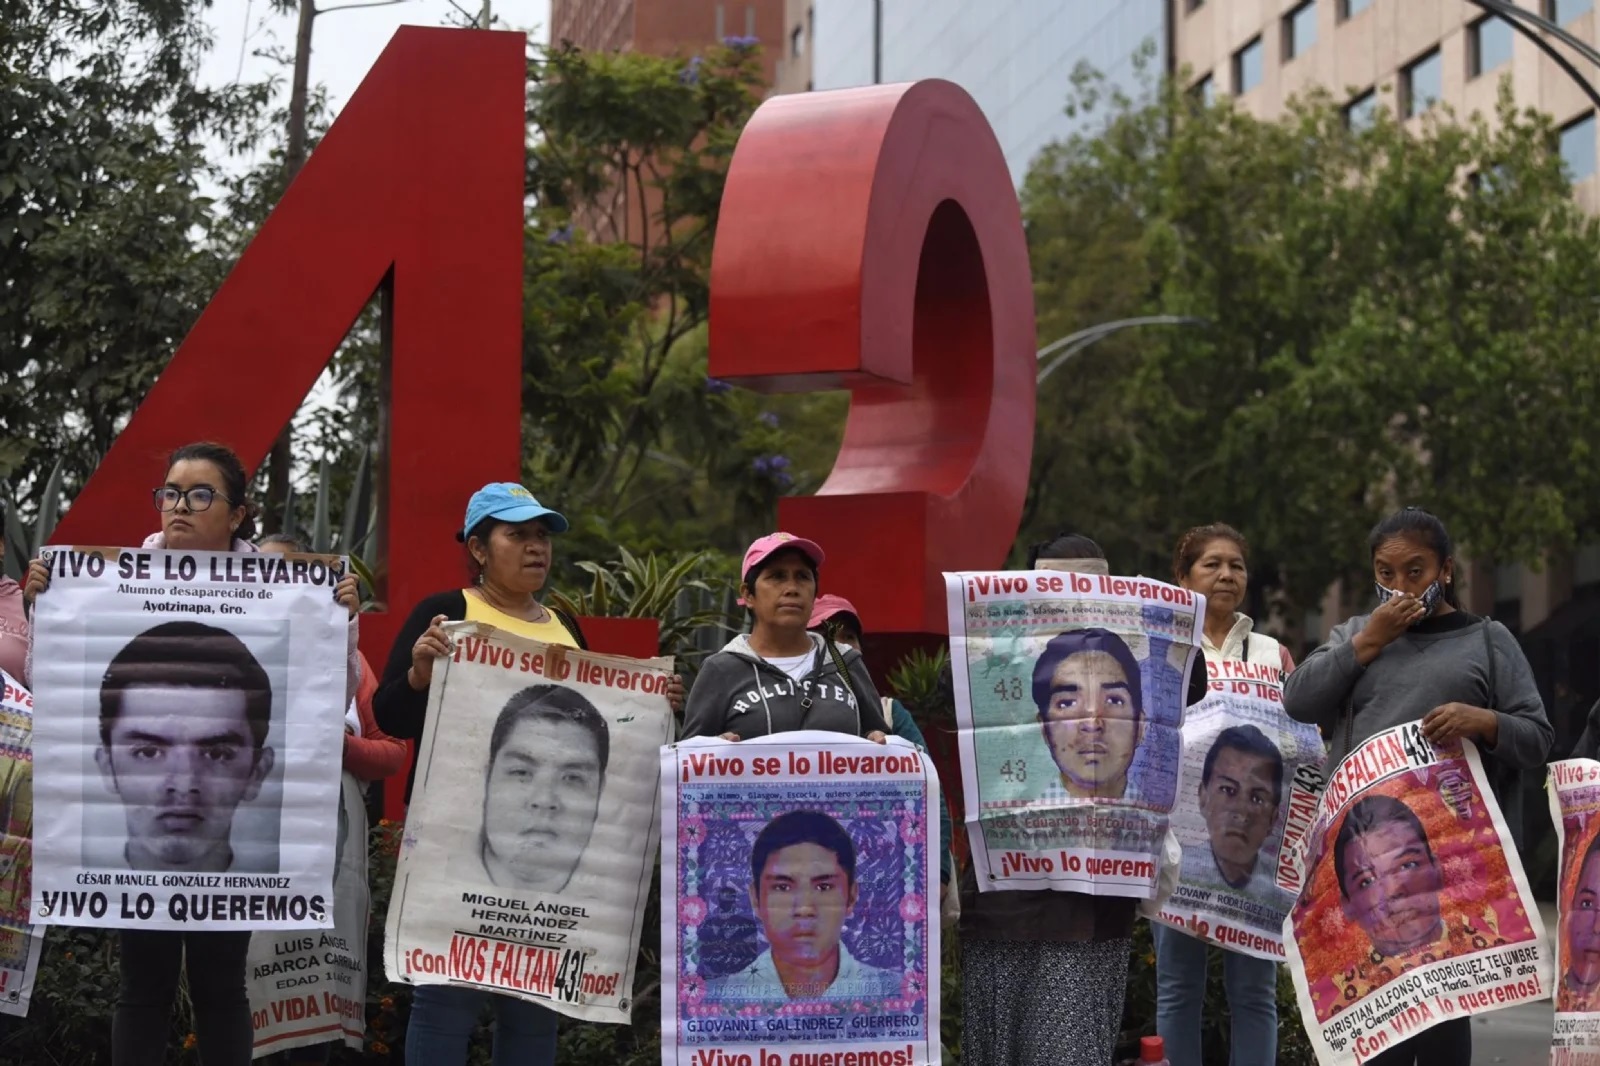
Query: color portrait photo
point(1411, 873)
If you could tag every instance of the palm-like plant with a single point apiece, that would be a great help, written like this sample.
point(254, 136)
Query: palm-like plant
point(672, 591)
point(21, 544)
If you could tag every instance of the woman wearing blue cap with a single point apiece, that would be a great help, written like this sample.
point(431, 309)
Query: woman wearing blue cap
point(508, 535)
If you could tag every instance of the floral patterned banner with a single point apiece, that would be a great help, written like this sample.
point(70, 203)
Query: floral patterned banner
point(1574, 787)
point(797, 893)
point(20, 942)
point(1413, 911)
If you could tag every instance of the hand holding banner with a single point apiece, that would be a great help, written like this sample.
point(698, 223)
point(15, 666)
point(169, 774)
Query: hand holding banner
point(530, 839)
point(1070, 692)
point(797, 890)
point(1414, 910)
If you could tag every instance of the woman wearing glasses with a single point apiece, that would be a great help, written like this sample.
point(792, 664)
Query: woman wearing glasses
point(203, 507)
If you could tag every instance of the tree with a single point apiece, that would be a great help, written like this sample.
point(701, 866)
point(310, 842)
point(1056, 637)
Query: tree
point(1397, 316)
point(103, 135)
point(622, 425)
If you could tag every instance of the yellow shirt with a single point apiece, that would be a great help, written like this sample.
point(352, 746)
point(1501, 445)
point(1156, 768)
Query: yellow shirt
point(547, 632)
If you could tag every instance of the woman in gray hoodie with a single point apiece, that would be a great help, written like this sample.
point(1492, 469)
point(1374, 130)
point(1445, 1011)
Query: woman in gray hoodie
point(780, 677)
point(1419, 656)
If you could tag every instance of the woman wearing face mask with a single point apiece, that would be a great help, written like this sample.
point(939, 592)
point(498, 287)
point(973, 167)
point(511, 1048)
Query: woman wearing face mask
point(203, 507)
point(1418, 656)
point(782, 677)
point(1044, 973)
point(1211, 560)
point(508, 534)
point(836, 617)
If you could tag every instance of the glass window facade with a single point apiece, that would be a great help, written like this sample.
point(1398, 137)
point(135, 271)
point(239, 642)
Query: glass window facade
point(1249, 63)
point(1016, 57)
point(1299, 29)
point(1488, 45)
point(1420, 84)
point(1578, 148)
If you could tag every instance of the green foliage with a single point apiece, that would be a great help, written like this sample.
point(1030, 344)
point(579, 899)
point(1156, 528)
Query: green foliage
point(104, 135)
point(651, 587)
point(622, 426)
point(915, 682)
point(1383, 331)
point(22, 544)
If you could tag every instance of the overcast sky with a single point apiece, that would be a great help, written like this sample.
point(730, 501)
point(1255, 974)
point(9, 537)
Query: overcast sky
point(346, 42)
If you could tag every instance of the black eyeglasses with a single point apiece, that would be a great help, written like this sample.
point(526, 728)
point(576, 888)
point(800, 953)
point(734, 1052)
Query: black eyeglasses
point(197, 499)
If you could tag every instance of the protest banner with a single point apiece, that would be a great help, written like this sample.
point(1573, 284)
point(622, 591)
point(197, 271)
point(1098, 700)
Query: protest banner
point(310, 986)
point(1415, 908)
point(1070, 693)
point(1574, 788)
point(20, 940)
point(799, 902)
point(1251, 778)
point(190, 710)
point(531, 836)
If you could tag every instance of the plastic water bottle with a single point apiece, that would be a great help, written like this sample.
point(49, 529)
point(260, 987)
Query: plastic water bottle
point(1153, 1052)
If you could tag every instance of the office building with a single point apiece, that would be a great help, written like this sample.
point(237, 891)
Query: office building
point(1016, 57)
point(1409, 56)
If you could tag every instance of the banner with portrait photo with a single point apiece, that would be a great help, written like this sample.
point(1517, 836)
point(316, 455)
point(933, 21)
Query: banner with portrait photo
point(1574, 788)
point(1251, 779)
point(531, 836)
point(309, 987)
point(799, 902)
point(1415, 908)
point(1070, 691)
point(190, 719)
point(20, 940)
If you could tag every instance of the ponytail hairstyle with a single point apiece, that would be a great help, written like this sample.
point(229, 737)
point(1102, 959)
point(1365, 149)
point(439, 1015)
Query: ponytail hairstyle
point(1192, 545)
point(1424, 526)
point(235, 485)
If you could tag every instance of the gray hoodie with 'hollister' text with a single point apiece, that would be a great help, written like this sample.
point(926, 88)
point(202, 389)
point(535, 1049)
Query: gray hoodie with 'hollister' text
point(737, 691)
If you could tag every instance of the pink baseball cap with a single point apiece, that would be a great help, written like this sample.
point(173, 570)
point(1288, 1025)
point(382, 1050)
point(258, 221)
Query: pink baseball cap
point(827, 606)
point(762, 547)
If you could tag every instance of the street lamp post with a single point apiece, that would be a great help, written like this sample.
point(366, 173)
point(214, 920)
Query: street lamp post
point(1531, 26)
point(1073, 343)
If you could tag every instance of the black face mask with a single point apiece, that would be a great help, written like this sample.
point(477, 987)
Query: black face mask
point(1430, 598)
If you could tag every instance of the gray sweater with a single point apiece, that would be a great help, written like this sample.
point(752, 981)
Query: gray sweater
point(737, 691)
point(1440, 661)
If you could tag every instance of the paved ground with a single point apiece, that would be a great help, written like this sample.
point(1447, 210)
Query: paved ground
point(1516, 1036)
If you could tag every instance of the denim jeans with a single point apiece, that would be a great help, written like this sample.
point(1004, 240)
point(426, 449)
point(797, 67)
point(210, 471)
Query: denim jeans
point(444, 1017)
point(1252, 987)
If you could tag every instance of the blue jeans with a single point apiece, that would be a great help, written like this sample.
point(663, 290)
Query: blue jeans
point(444, 1017)
point(1252, 987)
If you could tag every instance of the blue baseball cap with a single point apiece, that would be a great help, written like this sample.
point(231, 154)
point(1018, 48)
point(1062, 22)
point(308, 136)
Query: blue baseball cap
point(509, 502)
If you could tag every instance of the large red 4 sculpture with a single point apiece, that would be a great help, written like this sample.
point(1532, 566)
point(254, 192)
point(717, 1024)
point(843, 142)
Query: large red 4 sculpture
point(869, 239)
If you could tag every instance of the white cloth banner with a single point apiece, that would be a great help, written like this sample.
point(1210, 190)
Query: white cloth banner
point(1251, 779)
point(531, 836)
point(20, 942)
point(1070, 693)
point(190, 723)
point(310, 986)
